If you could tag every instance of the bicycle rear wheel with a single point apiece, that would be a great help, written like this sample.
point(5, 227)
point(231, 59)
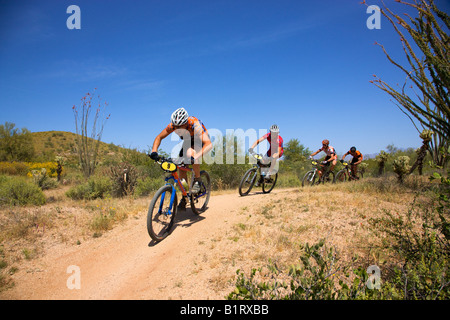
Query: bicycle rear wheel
point(310, 178)
point(199, 201)
point(247, 182)
point(269, 184)
point(161, 213)
point(329, 178)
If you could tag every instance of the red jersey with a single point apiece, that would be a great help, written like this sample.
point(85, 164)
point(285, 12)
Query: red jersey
point(279, 143)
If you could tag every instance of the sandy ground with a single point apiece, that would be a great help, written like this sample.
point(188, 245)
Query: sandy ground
point(125, 264)
point(199, 260)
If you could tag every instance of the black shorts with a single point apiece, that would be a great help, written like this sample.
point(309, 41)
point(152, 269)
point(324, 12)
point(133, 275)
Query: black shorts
point(195, 144)
point(355, 159)
point(326, 159)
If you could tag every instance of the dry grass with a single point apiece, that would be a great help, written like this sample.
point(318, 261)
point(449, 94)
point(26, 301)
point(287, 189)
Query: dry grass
point(270, 231)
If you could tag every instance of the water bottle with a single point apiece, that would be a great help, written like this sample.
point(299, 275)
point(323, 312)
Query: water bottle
point(185, 184)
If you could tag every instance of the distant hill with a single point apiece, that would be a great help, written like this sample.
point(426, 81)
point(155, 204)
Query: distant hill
point(49, 144)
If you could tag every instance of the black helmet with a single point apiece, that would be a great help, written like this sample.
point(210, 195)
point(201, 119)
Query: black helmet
point(353, 149)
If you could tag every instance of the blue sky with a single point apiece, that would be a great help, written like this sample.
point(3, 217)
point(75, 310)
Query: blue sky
point(305, 65)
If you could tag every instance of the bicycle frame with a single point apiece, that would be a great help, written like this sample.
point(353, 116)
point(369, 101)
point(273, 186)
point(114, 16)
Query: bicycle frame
point(348, 170)
point(320, 167)
point(177, 181)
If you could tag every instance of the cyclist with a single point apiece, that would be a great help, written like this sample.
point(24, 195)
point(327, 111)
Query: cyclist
point(357, 159)
point(273, 154)
point(329, 159)
point(196, 143)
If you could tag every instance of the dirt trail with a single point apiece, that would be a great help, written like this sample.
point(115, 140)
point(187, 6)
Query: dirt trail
point(125, 264)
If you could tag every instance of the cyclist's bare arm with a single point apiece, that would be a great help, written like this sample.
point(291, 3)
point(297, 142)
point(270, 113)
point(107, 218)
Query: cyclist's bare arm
point(159, 137)
point(343, 157)
point(257, 142)
point(207, 146)
point(276, 155)
point(313, 154)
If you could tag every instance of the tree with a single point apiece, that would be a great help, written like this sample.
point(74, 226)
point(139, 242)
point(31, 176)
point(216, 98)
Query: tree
point(295, 151)
point(424, 97)
point(15, 144)
point(87, 144)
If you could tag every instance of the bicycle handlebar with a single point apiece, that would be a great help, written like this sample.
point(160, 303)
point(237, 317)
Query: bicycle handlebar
point(162, 159)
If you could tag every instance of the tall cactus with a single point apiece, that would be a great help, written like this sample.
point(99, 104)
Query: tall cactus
point(381, 158)
point(401, 167)
point(426, 137)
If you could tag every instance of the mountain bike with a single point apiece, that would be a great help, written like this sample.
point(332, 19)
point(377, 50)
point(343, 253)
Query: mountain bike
point(163, 207)
point(312, 177)
point(251, 176)
point(345, 174)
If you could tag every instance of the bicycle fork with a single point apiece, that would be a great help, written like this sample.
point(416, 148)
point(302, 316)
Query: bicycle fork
point(172, 199)
point(313, 176)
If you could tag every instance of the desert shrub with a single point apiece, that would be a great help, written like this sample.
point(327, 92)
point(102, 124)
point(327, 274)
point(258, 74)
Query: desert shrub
point(42, 180)
point(146, 186)
point(226, 176)
point(19, 191)
point(417, 245)
point(319, 275)
point(288, 179)
point(49, 166)
point(95, 187)
point(13, 168)
point(124, 179)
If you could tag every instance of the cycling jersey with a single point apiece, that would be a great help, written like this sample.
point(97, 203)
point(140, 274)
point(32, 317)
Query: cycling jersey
point(279, 142)
point(329, 151)
point(195, 127)
point(357, 154)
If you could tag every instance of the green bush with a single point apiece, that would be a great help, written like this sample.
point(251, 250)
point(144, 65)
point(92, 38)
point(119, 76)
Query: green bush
point(95, 187)
point(226, 176)
point(147, 185)
point(320, 275)
point(19, 191)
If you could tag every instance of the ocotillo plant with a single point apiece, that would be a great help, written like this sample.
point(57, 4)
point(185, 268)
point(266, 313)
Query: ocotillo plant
point(427, 48)
point(87, 143)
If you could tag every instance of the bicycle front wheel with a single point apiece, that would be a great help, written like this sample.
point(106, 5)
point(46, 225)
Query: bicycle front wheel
point(341, 176)
point(309, 178)
point(199, 201)
point(269, 183)
point(248, 181)
point(161, 213)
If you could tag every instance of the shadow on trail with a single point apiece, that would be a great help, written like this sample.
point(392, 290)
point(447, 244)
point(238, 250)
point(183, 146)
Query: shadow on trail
point(184, 219)
point(253, 194)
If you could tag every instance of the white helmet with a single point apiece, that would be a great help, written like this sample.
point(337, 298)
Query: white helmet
point(274, 128)
point(179, 117)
